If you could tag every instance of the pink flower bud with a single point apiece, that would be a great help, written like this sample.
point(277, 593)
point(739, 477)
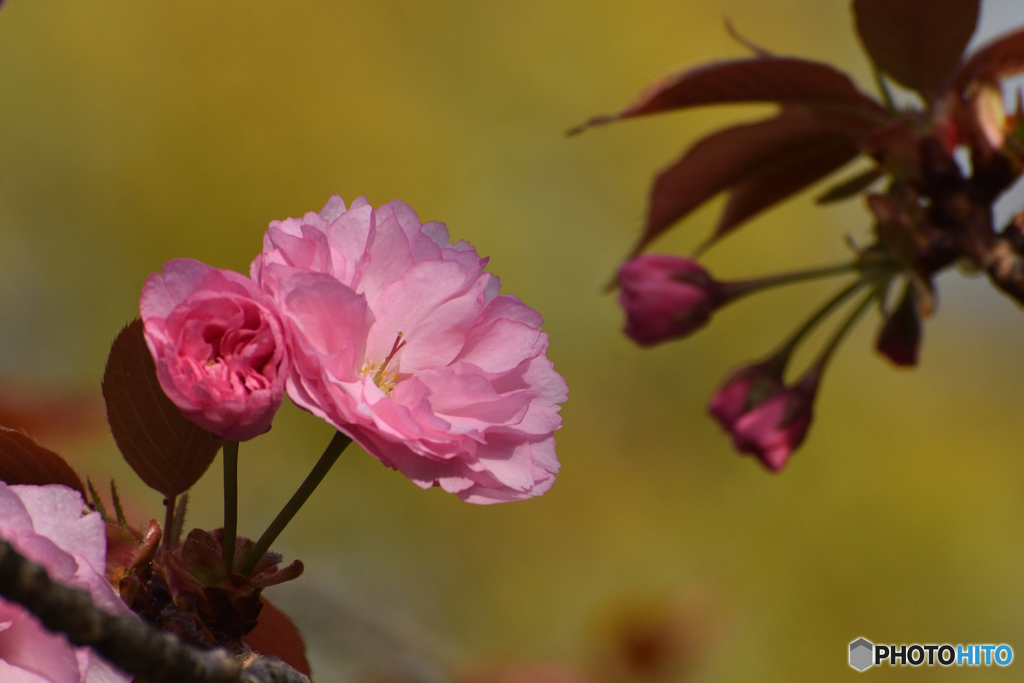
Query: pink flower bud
point(666, 297)
point(743, 390)
point(219, 345)
point(774, 427)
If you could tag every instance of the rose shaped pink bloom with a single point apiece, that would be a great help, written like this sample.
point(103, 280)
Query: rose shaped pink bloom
point(401, 341)
point(219, 345)
point(45, 524)
point(666, 297)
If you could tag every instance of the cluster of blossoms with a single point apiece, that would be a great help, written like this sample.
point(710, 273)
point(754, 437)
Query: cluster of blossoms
point(379, 325)
point(931, 213)
point(364, 317)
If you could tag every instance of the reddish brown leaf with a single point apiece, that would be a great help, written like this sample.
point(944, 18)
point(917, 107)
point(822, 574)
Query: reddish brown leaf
point(1000, 58)
point(917, 42)
point(166, 450)
point(276, 636)
point(732, 156)
point(23, 461)
point(786, 80)
point(783, 179)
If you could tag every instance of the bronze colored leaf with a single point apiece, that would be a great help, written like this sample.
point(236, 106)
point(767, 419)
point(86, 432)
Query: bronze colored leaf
point(1000, 58)
point(786, 80)
point(166, 450)
point(917, 42)
point(741, 154)
point(23, 461)
point(783, 179)
point(276, 636)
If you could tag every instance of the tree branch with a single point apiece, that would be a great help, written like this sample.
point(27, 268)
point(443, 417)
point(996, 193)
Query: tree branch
point(126, 640)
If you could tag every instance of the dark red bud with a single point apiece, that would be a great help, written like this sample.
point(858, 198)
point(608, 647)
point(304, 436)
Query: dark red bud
point(666, 297)
point(743, 390)
point(899, 339)
point(776, 426)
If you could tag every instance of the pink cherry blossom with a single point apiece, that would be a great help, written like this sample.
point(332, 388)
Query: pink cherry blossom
point(219, 345)
point(401, 340)
point(45, 523)
point(666, 297)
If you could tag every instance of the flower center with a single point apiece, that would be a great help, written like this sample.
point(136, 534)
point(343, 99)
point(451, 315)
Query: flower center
point(381, 377)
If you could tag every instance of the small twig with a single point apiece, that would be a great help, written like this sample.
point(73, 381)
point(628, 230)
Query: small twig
point(125, 640)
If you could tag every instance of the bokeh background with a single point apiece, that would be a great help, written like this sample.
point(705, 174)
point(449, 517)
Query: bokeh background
point(132, 133)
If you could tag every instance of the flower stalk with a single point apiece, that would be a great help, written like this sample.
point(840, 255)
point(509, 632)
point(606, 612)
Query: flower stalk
point(845, 328)
point(780, 358)
point(735, 290)
point(298, 499)
point(169, 510)
point(230, 502)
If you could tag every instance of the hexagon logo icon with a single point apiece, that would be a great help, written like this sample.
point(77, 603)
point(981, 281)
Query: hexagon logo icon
point(861, 654)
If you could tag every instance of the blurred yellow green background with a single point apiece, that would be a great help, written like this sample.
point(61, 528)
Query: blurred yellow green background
point(132, 133)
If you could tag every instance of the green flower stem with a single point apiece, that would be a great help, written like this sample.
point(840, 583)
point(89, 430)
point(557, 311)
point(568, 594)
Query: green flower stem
point(883, 87)
point(847, 325)
point(781, 357)
point(230, 502)
point(169, 539)
point(316, 475)
point(735, 290)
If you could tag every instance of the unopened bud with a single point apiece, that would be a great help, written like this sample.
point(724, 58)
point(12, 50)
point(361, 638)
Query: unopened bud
point(666, 297)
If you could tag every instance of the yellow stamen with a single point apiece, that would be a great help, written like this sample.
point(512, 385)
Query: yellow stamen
point(381, 377)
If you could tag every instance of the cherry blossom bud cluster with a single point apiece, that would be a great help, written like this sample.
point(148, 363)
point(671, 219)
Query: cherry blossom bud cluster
point(667, 297)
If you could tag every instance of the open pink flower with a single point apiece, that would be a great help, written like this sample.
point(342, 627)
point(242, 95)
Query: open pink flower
point(45, 523)
point(401, 341)
point(219, 345)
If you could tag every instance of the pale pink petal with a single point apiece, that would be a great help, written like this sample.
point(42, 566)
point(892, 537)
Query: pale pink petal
point(162, 294)
point(29, 646)
point(349, 236)
point(410, 300)
point(97, 669)
point(501, 345)
point(15, 674)
point(14, 518)
point(57, 514)
point(334, 207)
point(333, 319)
